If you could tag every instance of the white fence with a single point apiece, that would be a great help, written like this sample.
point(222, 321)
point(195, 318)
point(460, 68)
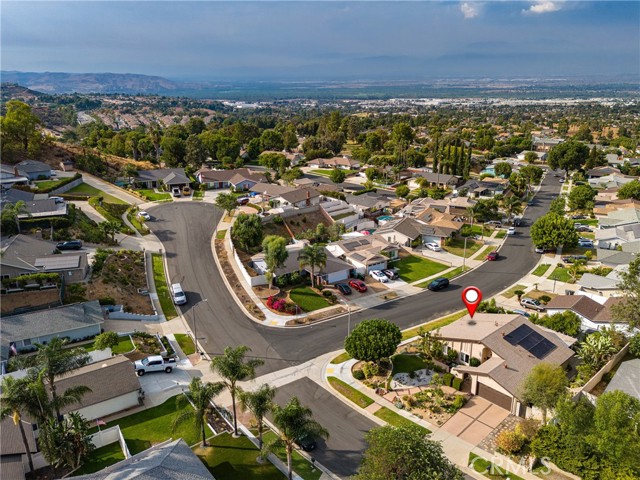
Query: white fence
point(253, 281)
point(109, 436)
point(121, 315)
point(593, 381)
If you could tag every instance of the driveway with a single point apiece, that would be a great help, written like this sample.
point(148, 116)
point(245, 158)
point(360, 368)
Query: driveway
point(342, 451)
point(477, 419)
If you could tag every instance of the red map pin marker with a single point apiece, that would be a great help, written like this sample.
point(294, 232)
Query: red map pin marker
point(471, 296)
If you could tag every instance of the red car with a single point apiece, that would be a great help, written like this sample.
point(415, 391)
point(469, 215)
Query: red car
point(359, 285)
point(492, 256)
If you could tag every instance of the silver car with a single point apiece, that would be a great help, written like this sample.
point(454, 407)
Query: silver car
point(533, 304)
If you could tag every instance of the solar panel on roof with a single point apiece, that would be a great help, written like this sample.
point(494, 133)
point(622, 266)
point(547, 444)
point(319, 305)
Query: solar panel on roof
point(542, 349)
point(531, 341)
point(518, 334)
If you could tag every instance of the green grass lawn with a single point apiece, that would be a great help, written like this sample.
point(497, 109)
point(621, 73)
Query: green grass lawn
point(198, 194)
point(229, 458)
point(392, 418)
point(220, 234)
point(489, 470)
point(146, 428)
point(186, 343)
point(414, 268)
point(101, 458)
point(320, 171)
point(512, 291)
point(456, 247)
point(484, 252)
point(43, 184)
point(137, 224)
point(307, 299)
point(162, 289)
point(501, 234)
point(124, 346)
point(434, 325)
point(300, 464)
point(343, 357)
point(560, 274)
point(154, 196)
point(86, 189)
point(450, 274)
point(541, 269)
point(403, 363)
point(356, 396)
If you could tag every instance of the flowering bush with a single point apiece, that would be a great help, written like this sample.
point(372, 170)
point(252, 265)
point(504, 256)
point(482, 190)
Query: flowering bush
point(281, 305)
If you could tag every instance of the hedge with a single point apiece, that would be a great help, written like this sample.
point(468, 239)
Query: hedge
point(74, 197)
point(457, 383)
point(55, 222)
point(38, 278)
point(447, 378)
point(62, 183)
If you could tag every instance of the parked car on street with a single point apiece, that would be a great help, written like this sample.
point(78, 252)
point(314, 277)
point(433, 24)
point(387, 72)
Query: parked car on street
point(492, 256)
point(143, 214)
point(379, 276)
point(511, 231)
point(433, 246)
point(154, 363)
point(533, 304)
point(307, 443)
point(69, 245)
point(359, 285)
point(391, 274)
point(343, 288)
point(438, 284)
point(178, 295)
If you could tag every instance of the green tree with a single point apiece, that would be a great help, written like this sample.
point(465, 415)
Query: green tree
point(233, 367)
point(568, 156)
point(628, 309)
point(503, 169)
point(129, 171)
point(289, 138)
point(402, 191)
point(552, 230)
point(9, 218)
point(565, 322)
point(512, 206)
point(290, 175)
point(581, 197)
point(226, 201)
point(634, 345)
point(338, 175)
point(294, 422)
point(532, 173)
point(530, 157)
point(106, 340)
point(544, 386)
point(19, 131)
point(66, 443)
point(200, 395)
point(271, 140)
point(173, 151)
point(195, 153)
point(110, 228)
point(14, 403)
point(630, 190)
point(405, 453)
point(557, 205)
point(275, 161)
point(373, 340)
point(275, 252)
point(247, 231)
point(312, 256)
point(596, 350)
point(259, 403)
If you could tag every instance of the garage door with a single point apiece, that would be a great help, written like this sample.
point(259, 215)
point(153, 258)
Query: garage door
point(494, 396)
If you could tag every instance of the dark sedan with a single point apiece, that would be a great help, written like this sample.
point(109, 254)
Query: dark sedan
point(69, 245)
point(439, 284)
point(343, 288)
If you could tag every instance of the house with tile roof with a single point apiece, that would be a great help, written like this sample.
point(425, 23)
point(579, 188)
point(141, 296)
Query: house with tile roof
point(593, 315)
point(239, 179)
point(169, 177)
point(507, 347)
point(365, 253)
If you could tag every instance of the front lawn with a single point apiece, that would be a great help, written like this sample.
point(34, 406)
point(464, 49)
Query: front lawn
point(490, 470)
point(320, 171)
point(300, 464)
point(501, 234)
point(45, 184)
point(86, 189)
point(153, 425)
point(450, 274)
point(512, 291)
point(186, 343)
point(154, 196)
point(392, 418)
point(307, 299)
point(403, 363)
point(356, 396)
point(456, 247)
point(560, 274)
point(101, 458)
point(124, 346)
point(484, 252)
point(229, 458)
point(162, 289)
point(541, 269)
point(414, 268)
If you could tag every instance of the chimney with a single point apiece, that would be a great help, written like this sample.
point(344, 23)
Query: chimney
point(308, 198)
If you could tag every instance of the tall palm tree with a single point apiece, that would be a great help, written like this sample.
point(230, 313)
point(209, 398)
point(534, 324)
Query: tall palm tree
point(11, 211)
point(233, 368)
point(312, 256)
point(15, 401)
point(294, 422)
point(259, 403)
point(512, 206)
point(200, 394)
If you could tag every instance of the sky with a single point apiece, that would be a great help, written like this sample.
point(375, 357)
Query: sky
point(326, 40)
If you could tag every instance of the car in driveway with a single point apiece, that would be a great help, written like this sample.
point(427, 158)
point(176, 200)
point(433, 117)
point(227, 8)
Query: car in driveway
point(493, 223)
point(176, 192)
point(144, 215)
point(492, 256)
point(524, 313)
point(69, 245)
point(358, 285)
point(585, 242)
point(243, 200)
point(532, 303)
point(379, 276)
point(391, 274)
point(343, 288)
point(433, 246)
point(583, 228)
point(575, 258)
point(438, 284)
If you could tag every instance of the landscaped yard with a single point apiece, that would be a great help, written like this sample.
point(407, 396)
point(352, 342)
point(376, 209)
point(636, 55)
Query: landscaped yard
point(456, 247)
point(541, 269)
point(307, 299)
point(403, 363)
point(412, 268)
point(489, 470)
point(501, 234)
point(154, 425)
point(162, 289)
point(560, 274)
point(124, 346)
point(397, 420)
point(186, 343)
point(86, 189)
point(137, 224)
point(512, 291)
point(154, 196)
point(356, 396)
point(300, 464)
point(434, 325)
point(483, 253)
point(101, 458)
point(229, 458)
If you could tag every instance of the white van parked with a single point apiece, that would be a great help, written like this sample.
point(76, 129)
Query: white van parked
point(179, 297)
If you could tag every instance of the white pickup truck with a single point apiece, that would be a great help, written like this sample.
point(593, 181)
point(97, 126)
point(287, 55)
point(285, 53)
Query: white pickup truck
point(154, 363)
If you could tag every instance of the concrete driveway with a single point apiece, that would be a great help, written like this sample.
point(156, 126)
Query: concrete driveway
point(160, 386)
point(475, 420)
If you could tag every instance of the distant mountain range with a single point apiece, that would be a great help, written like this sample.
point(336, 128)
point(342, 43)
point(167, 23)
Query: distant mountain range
point(59, 82)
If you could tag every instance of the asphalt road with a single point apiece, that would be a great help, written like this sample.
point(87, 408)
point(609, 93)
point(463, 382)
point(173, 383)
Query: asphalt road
point(185, 229)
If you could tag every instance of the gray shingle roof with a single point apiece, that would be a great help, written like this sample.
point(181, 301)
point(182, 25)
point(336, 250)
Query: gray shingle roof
point(627, 378)
point(33, 166)
point(170, 176)
point(11, 440)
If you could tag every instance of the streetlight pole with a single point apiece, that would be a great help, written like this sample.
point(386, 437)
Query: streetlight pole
point(195, 325)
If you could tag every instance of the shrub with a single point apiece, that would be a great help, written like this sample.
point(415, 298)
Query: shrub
point(373, 339)
point(447, 378)
point(544, 299)
point(370, 369)
point(359, 375)
point(474, 362)
point(519, 293)
point(528, 428)
point(452, 355)
point(326, 293)
point(278, 220)
point(106, 300)
point(459, 401)
point(457, 383)
point(634, 345)
point(510, 442)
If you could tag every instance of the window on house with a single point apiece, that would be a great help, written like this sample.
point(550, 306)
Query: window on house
point(464, 357)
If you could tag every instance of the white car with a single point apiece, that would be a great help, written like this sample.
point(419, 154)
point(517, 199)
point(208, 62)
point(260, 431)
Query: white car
point(143, 214)
point(433, 246)
point(379, 276)
point(511, 231)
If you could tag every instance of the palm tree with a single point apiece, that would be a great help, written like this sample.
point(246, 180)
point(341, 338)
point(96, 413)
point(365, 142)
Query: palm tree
point(200, 394)
point(11, 211)
point(512, 206)
point(312, 256)
point(473, 212)
point(294, 422)
point(15, 400)
point(233, 368)
point(110, 228)
point(259, 403)
point(596, 350)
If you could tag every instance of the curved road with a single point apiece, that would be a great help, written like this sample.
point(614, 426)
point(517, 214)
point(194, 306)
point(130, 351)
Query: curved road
point(185, 229)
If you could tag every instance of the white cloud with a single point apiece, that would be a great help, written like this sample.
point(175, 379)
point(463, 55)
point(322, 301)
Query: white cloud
point(543, 7)
point(469, 10)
